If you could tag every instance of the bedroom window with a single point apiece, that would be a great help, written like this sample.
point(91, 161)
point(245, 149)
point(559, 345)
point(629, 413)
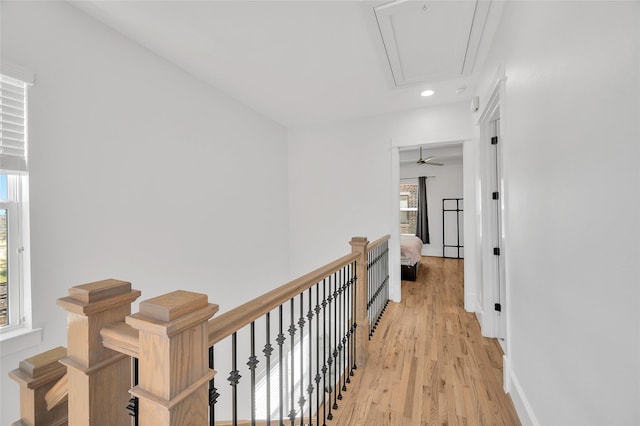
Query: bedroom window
point(408, 208)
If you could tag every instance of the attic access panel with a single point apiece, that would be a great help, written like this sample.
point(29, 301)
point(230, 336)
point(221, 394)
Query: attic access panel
point(431, 40)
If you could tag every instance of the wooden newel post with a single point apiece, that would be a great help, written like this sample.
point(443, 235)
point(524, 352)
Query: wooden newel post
point(99, 378)
point(173, 363)
point(359, 246)
point(36, 376)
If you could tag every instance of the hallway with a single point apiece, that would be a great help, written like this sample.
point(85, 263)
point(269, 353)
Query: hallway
point(428, 363)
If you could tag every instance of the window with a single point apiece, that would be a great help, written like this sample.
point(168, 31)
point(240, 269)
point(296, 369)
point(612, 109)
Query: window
point(408, 208)
point(13, 194)
point(10, 251)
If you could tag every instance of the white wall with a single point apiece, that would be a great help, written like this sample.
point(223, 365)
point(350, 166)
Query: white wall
point(138, 172)
point(446, 183)
point(473, 229)
point(571, 152)
point(340, 179)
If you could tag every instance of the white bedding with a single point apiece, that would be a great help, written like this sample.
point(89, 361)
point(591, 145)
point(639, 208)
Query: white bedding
point(410, 249)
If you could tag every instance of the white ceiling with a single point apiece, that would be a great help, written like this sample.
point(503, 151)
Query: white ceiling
point(296, 62)
point(430, 40)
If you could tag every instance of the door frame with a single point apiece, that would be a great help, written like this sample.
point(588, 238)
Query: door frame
point(494, 324)
point(394, 243)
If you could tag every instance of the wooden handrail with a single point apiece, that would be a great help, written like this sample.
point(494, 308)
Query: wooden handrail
point(123, 338)
point(58, 394)
point(377, 242)
point(229, 322)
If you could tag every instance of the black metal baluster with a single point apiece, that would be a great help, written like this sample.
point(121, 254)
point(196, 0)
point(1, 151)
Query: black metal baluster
point(386, 271)
point(382, 283)
point(132, 406)
point(375, 290)
point(292, 333)
point(329, 358)
point(348, 316)
point(354, 295)
point(385, 281)
point(280, 341)
point(318, 377)
point(252, 364)
point(354, 325)
point(381, 292)
point(341, 339)
point(369, 292)
point(376, 287)
point(234, 379)
point(301, 322)
point(213, 391)
point(339, 334)
point(336, 380)
point(310, 349)
point(366, 268)
point(267, 351)
point(384, 278)
point(345, 329)
point(324, 352)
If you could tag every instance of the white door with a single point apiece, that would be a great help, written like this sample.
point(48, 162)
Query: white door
point(496, 203)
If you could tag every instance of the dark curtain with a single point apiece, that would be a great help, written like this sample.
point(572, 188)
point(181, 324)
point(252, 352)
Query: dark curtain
point(422, 227)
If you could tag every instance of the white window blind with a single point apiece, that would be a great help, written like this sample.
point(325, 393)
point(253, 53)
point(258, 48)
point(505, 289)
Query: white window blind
point(13, 129)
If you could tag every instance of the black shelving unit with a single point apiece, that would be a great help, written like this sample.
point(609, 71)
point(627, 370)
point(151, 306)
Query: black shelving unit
point(458, 212)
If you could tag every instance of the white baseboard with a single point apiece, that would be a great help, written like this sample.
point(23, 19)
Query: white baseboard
point(479, 318)
point(471, 303)
point(477, 309)
point(512, 386)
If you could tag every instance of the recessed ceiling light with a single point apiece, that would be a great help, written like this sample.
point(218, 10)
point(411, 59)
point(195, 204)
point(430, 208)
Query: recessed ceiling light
point(427, 93)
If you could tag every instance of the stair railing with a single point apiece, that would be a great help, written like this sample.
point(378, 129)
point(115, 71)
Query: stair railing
point(287, 356)
point(377, 281)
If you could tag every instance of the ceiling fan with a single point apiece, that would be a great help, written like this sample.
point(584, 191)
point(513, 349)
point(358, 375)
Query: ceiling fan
point(427, 160)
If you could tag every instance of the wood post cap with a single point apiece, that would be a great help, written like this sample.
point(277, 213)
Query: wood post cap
point(99, 290)
point(173, 305)
point(41, 369)
point(358, 241)
point(41, 364)
point(91, 298)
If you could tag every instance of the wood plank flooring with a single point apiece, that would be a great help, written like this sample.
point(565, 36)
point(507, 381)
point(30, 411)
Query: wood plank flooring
point(428, 363)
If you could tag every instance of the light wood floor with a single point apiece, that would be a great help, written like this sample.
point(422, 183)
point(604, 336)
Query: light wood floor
point(428, 363)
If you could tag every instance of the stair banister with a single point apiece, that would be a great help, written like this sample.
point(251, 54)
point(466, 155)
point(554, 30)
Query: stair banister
point(170, 338)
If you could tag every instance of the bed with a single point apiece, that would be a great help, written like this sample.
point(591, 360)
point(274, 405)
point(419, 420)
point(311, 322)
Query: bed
point(410, 255)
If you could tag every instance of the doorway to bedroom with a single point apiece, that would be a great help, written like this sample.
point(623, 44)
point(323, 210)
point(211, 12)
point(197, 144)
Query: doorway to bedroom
point(431, 204)
point(433, 210)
